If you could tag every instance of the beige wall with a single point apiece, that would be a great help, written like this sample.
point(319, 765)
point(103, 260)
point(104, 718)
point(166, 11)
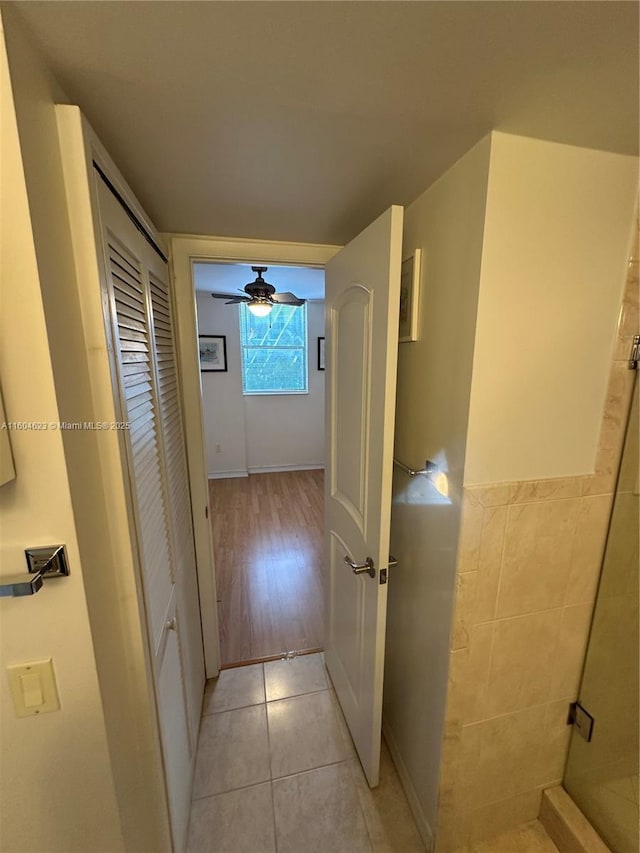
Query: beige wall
point(53, 798)
point(434, 378)
point(556, 238)
point(525, 245)
point(114, 650)
point(529, 559)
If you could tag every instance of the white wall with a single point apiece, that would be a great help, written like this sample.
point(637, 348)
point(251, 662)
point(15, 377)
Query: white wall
point(557, 236)
point(259, 433)
point(434, 379)
point(56, 784)
point(222, 401)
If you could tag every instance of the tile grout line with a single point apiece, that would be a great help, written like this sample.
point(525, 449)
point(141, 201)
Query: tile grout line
point(230, 791)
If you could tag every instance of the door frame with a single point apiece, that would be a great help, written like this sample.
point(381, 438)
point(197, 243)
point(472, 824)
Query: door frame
point(184, 251)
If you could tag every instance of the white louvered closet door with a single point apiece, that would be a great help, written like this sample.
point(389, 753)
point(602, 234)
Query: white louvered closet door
point(145, 372)
point(177, 481)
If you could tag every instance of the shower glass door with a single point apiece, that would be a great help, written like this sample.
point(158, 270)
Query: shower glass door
point(602, 776)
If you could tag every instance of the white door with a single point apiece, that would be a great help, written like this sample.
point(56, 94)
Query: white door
point(362, 298)
point(141, 339)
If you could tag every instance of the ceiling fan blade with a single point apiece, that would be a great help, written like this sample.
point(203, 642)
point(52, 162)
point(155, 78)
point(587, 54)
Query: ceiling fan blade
point(231, 298)
point(287, 298)
point(223, 295)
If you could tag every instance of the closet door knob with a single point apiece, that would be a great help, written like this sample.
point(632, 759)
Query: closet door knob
point(171, 624)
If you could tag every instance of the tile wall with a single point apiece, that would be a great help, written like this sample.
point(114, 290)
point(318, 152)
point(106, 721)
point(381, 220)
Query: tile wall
point(529, 559)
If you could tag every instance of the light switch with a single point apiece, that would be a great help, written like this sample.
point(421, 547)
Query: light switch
point(31, 691)
point(33, 687)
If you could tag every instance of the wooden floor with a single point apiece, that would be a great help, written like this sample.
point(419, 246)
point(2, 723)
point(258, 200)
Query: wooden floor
point(268, 541)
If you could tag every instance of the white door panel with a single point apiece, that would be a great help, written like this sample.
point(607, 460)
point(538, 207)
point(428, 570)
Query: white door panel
point(362, 294)
point(145, 381)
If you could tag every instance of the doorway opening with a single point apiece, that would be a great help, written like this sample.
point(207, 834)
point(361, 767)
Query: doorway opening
point(262, 387)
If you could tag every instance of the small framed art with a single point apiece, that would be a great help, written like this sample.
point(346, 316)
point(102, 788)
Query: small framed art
point(213, 353)
point(409, 297)
point(320, 353)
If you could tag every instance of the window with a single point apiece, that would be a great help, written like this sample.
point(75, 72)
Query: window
point(274, 350)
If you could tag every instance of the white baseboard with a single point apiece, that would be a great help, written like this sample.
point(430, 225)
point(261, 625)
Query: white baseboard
point(274, 469)
point(424, 829)
point(224, 475)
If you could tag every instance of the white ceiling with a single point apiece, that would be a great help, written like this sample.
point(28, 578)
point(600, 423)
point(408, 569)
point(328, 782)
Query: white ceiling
point(305, 282)
point(304, 120)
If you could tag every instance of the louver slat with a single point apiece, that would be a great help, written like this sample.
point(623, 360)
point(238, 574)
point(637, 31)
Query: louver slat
point(136, 379)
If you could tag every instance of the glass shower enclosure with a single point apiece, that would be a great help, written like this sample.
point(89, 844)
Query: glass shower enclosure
point(602, 775)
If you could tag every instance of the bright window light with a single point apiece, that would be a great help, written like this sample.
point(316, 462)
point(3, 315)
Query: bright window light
point(274, 350)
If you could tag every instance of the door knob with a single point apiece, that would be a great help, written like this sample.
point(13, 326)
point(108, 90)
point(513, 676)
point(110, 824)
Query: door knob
point(360, 568)
point(171, 624)
point(392, 561)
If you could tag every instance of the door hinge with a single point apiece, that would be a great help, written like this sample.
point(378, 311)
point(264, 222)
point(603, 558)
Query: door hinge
point(581, 720)
point(635, 353)
point(206, 512)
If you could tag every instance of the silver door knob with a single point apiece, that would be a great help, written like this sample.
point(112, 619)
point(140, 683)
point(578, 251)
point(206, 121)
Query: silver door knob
point(359, 568)
point(171, 624)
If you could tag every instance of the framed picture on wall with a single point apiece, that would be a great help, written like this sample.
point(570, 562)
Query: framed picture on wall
point(409, 298)
point(213, 353)
point(320, 353)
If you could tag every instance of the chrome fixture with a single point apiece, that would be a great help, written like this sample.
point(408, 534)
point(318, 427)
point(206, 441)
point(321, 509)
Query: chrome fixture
point(43, 563)
point(367, 567)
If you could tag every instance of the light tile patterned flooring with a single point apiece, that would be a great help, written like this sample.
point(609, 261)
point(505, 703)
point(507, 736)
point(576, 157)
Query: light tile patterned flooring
point(276, 770)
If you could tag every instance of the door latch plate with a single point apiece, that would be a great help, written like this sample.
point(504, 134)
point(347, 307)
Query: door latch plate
point(581, 720)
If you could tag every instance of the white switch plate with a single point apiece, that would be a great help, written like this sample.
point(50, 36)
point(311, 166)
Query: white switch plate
point(24, 688)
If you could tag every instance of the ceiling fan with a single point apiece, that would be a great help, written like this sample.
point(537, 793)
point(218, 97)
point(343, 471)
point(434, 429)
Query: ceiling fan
point(260, 296)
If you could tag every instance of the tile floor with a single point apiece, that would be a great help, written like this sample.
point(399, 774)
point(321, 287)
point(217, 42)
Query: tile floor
point(276, 771)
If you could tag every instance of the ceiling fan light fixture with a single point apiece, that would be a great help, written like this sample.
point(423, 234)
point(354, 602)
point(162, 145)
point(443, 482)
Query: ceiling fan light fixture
point(259, 308)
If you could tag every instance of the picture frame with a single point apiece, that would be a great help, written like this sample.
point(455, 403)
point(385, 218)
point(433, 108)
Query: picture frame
point(409, 297)
point(320, 353)
point(213, 353)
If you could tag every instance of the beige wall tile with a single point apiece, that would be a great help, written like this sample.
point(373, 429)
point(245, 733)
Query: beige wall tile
point(537, 556)
point(505, 751)
point(529, 491)
point(491, 494)
point(628, 323)
point(599, 484)
point(459, 674)
point(615, 417)
point(629, 466)
point(588, 548)
point(551, 756)
point(468, 759)
point(570, 652)
point(452, 834)
point(470, 531)
point(466, 585)
point(536, 562)
point(449, 759)
point(521, 659)
point(480, 644)
point(621, 559)
point(490, 562)
point(492, 819)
